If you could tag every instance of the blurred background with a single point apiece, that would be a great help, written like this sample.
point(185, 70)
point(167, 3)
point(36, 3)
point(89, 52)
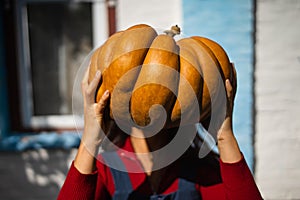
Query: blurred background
point(44, 42)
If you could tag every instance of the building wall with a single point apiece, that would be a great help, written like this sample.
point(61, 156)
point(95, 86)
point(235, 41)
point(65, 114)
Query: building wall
point(159, 14)
point(277, 75)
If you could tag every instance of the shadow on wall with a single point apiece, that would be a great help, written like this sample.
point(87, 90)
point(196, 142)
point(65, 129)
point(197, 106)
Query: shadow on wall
point(33, 174)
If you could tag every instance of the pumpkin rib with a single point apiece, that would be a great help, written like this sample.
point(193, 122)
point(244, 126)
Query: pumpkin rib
point(129, 54)
point(216, 110)
point(159, 65)
point(227, 67)
point(189, 86)
point(108, 50)
point(112, 50)
point(119, 55)
point(210, 73)
point(103, 61)
point(220, 54)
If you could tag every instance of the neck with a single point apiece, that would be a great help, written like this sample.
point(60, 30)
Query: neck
point(143, 146)
point(139, 141)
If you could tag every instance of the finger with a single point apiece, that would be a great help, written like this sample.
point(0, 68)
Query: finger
point(100, 106)
point(229, 89)
point(90, 90)
point(229, 92)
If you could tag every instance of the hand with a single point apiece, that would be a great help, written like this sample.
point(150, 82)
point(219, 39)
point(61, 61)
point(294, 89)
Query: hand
point(93, 125)
point(226, 127)
point(93, 112)
point(227, 144)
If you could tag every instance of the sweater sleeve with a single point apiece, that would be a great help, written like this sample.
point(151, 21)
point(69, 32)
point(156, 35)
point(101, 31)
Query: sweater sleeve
point(78, 186)
point(238, 181)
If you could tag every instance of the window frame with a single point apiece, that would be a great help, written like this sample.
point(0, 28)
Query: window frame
point(18, 63)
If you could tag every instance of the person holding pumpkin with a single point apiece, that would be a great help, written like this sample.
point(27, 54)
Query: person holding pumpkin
point(130, 170)
point(88, 178)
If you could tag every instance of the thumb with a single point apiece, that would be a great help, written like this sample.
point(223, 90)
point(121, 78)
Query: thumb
point(230, 97)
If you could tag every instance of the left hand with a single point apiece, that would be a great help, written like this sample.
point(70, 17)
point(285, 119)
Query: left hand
point(227, 143)
point(226, 127)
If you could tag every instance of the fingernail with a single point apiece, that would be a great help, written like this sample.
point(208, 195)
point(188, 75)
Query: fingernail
point(106, 92)
point(98, 74)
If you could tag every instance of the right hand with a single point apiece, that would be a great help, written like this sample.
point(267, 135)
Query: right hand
point(93, 112)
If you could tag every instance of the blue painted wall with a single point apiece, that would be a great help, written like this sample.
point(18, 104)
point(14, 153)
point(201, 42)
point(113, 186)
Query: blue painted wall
point(230, 23)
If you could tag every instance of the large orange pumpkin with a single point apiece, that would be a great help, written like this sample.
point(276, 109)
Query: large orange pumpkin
point(142, 69)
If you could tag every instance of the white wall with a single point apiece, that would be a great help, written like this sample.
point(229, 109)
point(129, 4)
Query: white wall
point(278, 98)
point(161, 14)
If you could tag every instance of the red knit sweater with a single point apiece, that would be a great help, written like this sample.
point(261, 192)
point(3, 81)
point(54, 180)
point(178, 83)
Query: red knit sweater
point(229, 182)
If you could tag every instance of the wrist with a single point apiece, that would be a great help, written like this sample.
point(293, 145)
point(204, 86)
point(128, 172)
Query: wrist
point(85, 160)
point(229, 149)
point(92, 137)
point(225, 131)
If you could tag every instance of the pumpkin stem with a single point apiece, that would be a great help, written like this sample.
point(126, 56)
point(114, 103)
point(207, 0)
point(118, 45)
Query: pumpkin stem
point(175, 30)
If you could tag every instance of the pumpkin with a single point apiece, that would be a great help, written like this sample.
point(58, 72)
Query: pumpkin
point(146, 71)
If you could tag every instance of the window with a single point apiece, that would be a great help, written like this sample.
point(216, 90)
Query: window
point(53, 38)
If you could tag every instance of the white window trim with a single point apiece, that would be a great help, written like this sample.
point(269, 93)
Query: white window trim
point(100, 34)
